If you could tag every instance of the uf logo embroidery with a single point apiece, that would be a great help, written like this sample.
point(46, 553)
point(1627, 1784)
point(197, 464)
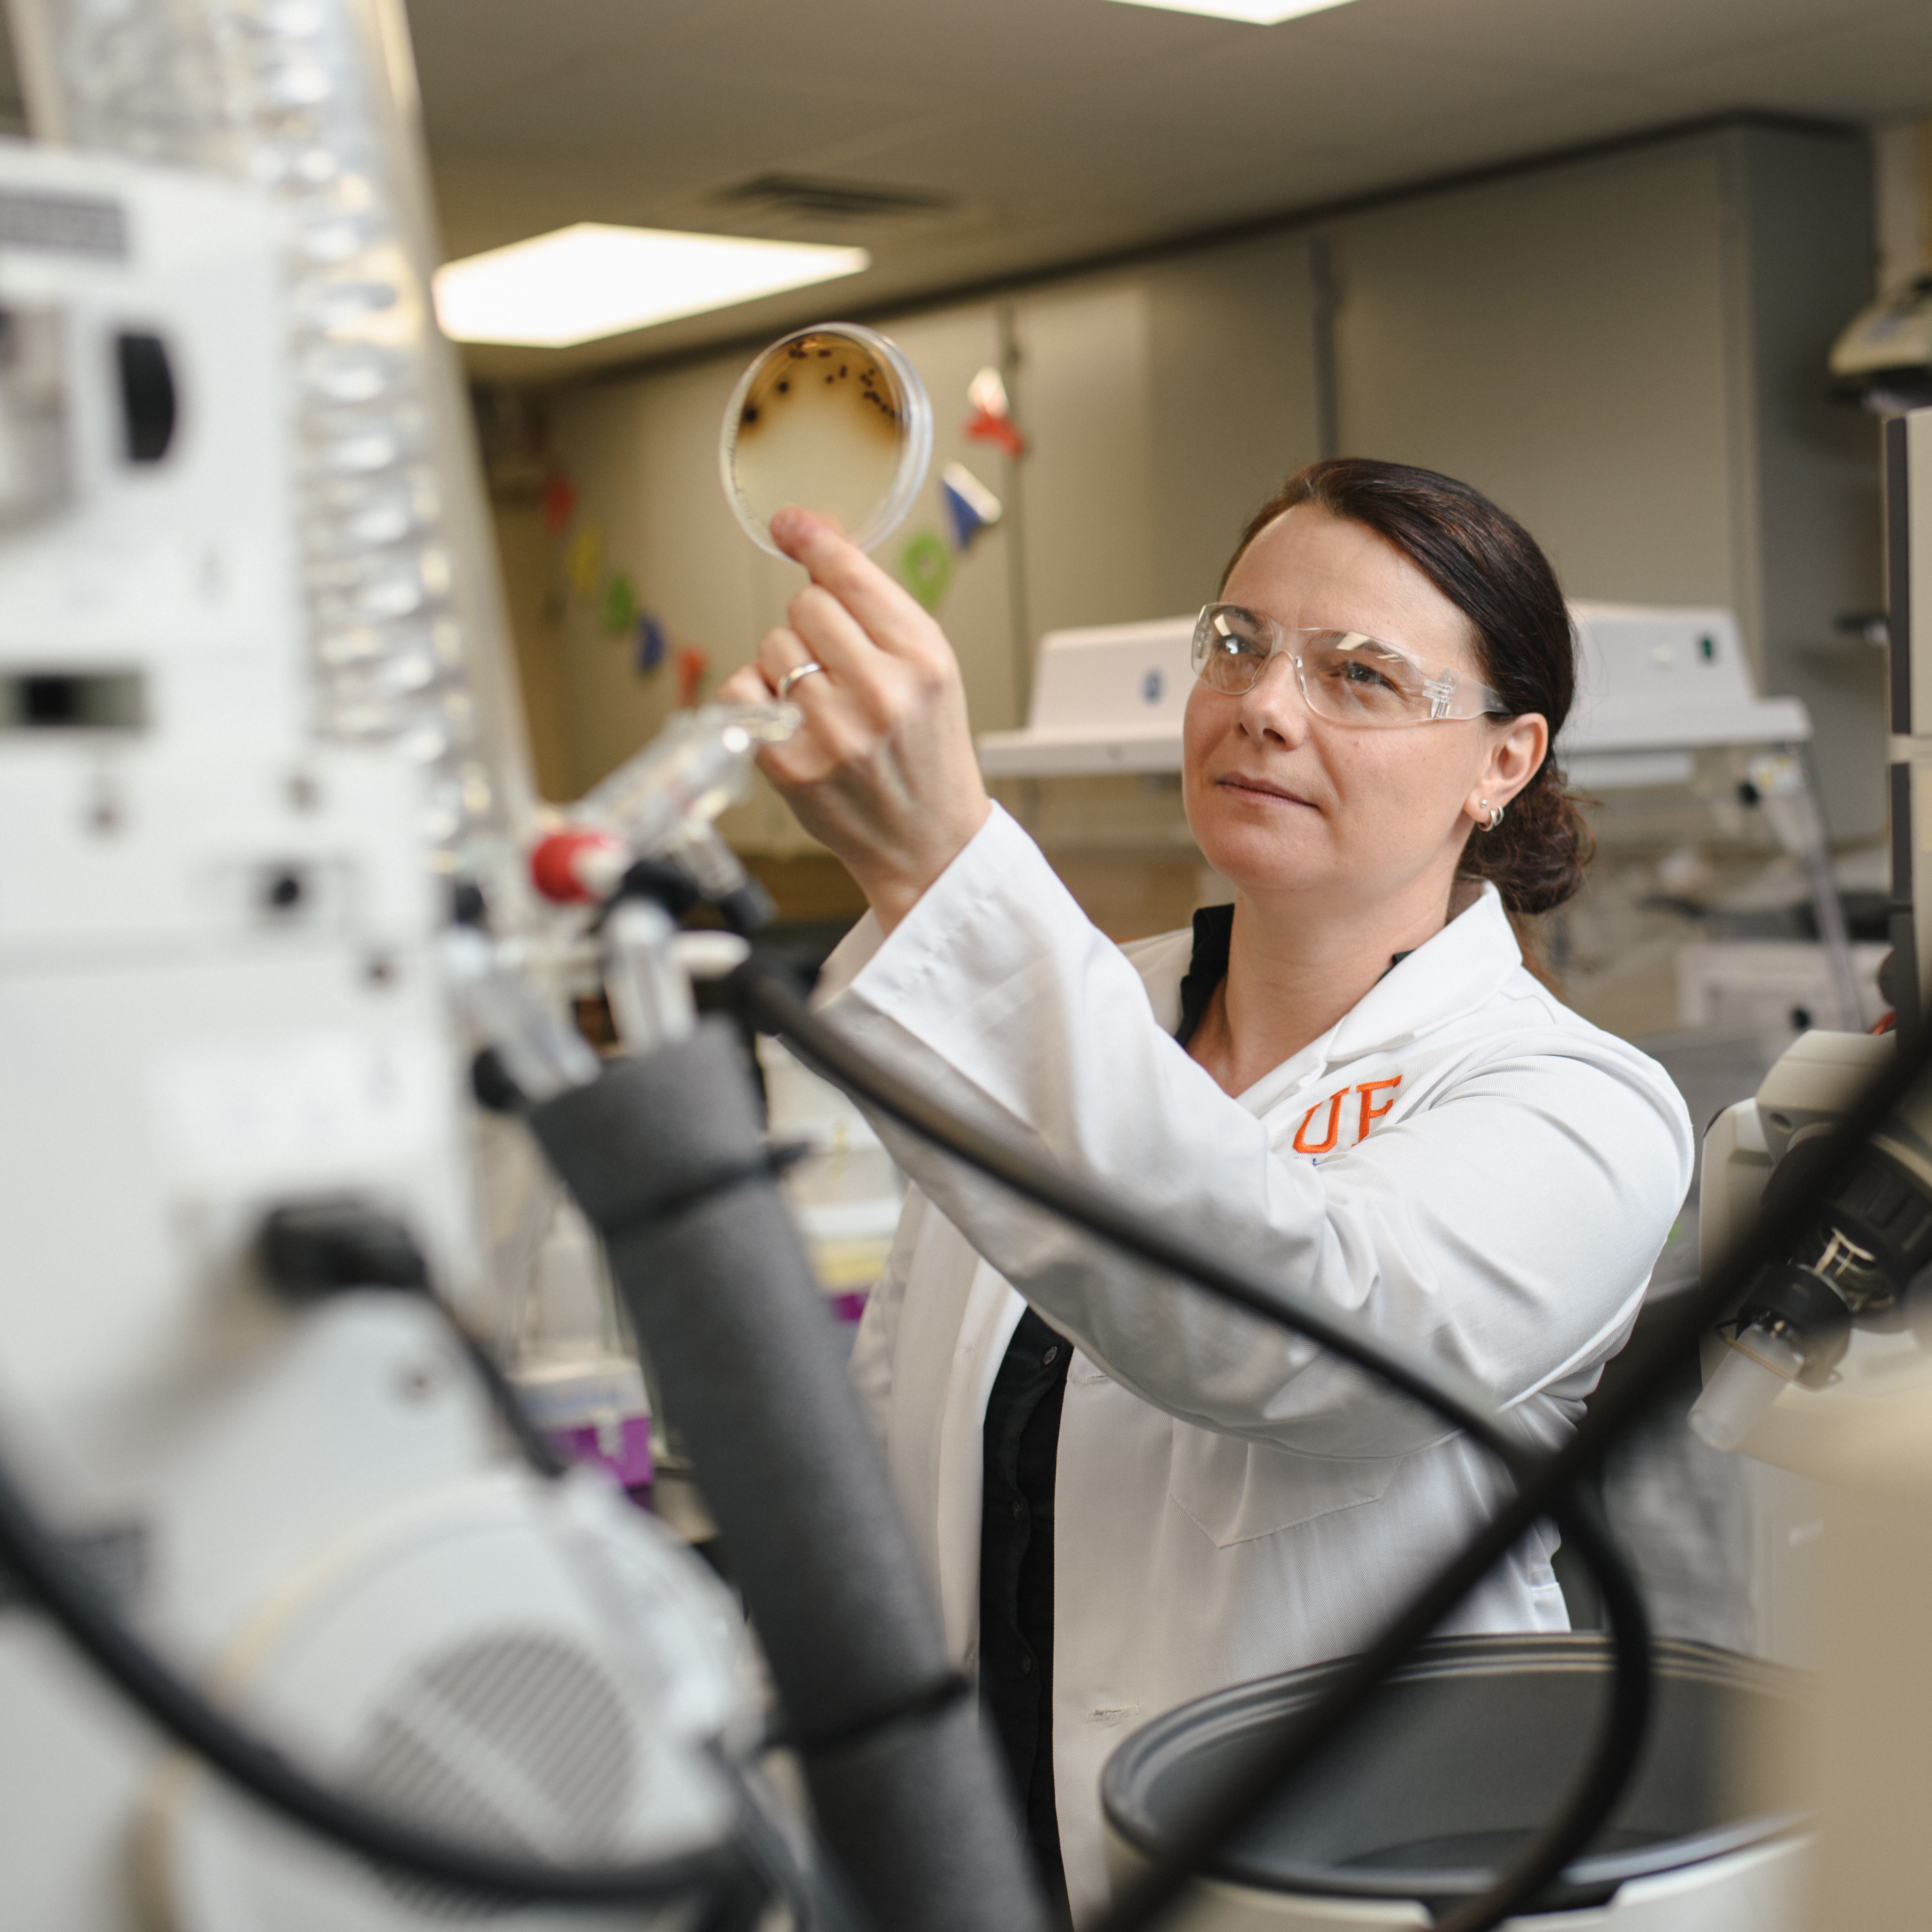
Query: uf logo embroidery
point(1368, 1115)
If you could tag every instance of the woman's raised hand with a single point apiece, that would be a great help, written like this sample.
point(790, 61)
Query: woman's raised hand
point(883, 770)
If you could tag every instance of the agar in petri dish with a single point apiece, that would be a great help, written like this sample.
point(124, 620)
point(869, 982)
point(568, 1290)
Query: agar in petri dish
point(833, 419)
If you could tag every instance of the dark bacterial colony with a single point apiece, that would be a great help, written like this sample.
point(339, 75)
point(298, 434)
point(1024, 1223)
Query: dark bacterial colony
point(828, 359)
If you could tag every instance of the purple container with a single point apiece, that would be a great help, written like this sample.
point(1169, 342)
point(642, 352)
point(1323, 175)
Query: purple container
point(624, 1448)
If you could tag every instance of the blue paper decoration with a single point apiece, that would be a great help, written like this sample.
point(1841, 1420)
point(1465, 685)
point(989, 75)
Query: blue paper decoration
point(653, 643)
point(970, 507)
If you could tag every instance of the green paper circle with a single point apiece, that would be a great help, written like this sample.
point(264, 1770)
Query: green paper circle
point(925, 568)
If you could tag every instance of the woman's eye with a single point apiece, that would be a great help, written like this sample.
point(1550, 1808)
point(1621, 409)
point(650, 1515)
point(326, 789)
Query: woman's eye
point(1356, 672)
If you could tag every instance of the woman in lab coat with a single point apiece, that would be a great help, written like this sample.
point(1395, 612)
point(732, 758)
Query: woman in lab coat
point(1126, 1493)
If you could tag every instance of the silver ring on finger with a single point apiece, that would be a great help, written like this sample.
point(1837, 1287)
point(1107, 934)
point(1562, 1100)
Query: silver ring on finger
point(792, 677)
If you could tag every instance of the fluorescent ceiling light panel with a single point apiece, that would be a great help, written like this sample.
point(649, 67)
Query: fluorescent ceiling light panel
point(591, 280)
point(1257, 13)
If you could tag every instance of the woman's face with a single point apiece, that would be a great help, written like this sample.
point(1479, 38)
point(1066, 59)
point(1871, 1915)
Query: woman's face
point(1282, 800)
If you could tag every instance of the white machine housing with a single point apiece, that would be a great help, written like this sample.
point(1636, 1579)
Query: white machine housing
point(219, 994)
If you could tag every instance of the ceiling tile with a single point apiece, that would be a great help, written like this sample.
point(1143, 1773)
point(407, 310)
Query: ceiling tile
point(1062, 128)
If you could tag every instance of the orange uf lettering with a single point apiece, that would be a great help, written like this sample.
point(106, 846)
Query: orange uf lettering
point(1302, 1143)
point(1371, 1114)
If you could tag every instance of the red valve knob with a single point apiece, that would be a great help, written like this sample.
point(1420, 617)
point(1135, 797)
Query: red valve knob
point(577, 865)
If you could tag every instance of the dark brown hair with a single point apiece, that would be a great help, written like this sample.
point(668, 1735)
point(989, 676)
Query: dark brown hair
point(1490, 567)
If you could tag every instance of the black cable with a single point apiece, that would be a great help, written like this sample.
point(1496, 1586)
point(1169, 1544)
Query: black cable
point(532, 1443)
point(815, 1894)
point(1779, 1227)
point(48, 1571)
point(766, 996)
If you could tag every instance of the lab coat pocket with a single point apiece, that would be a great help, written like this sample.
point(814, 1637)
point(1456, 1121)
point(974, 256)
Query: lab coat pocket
point(1236, 1491)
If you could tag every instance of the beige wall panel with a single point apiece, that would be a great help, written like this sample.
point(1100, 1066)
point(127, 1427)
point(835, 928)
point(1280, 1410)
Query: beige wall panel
point(1083, 395)
point(526, 553)
point(1803, 265)
point(1558, 342)
point(948, 348)
point(1232, 402)
point(644, 457)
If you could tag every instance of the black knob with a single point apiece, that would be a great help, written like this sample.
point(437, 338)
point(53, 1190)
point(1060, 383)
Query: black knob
point(148, 406)
point(322, 1247)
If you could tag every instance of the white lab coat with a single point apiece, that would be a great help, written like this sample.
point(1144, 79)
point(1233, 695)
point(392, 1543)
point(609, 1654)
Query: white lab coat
point(1462, 1161)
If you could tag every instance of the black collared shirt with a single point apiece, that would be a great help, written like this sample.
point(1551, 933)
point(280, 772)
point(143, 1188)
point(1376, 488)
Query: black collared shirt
point(1021, 1440)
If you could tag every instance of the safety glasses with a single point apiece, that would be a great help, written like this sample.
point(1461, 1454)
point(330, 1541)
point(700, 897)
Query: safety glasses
point(1346, 676)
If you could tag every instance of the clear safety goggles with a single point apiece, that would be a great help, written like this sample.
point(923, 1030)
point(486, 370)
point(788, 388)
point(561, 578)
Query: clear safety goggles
point(1346, 676)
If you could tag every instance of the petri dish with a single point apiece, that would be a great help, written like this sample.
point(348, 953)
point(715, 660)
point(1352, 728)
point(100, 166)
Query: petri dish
point(834, 419)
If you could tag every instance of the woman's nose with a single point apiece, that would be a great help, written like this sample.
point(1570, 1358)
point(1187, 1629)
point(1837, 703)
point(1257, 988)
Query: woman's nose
point(1274, 708)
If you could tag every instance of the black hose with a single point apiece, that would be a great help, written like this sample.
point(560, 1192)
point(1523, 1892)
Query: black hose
point(664, 1153)
point(767, 997)
point(818, 1897)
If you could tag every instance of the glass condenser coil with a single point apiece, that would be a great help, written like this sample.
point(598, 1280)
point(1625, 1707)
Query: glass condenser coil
point(314, 101)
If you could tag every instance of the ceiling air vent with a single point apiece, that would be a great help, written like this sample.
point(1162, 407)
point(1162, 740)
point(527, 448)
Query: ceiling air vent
point(808, 197)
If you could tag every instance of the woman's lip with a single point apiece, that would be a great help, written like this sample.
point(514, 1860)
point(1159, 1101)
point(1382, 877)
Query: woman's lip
point(1238, 782)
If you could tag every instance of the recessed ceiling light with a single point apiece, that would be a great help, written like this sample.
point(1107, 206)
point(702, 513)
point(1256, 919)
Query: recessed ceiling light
point(1257, 13)
point(591, 280)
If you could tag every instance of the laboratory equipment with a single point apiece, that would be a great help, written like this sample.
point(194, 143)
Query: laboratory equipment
point(834, 419)
point(236, 1157)
point(315, 105)
point(1657, 685)
point(843, 1188)
point(574, 1368)
point(1874, 1236)
point(1819, 1373)
point(659, 807)
point(1448, 1774)
point(1107, 697)
point(1883, 357)
point(238, 1204)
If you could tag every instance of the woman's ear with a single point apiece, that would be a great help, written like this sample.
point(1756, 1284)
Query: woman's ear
point(1516, 752)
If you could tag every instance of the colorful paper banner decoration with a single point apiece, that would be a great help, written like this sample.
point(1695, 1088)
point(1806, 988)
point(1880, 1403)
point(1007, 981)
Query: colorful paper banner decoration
point(991, 420)
point(970, 507)
point(652, 644)
point(619, 610)
point(925, 568)
point(693, 661)
point(559, 505)
point(584, 561)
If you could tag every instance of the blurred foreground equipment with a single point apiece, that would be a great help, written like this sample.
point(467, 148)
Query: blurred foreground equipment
point(1821, 1371)
point(255, 1458)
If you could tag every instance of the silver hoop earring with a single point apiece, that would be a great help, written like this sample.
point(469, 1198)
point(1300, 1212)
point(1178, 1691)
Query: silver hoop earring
point(1496, 813)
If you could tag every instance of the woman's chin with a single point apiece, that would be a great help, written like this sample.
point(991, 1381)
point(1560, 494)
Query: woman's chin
point(1263, 860)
